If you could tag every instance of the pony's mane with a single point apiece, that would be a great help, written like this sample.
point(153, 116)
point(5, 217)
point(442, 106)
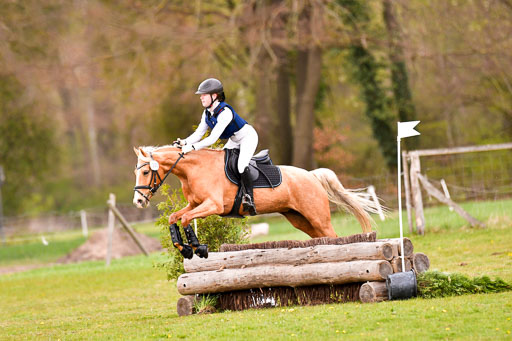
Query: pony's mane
point(149, 149)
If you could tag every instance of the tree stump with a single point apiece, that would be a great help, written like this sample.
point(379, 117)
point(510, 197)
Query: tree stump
point(373, 292)
point(396, 264)
point(185, 305)
point(420, 262)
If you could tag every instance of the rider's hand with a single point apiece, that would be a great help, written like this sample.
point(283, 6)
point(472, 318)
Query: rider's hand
point(187, 148)
point(179, 142)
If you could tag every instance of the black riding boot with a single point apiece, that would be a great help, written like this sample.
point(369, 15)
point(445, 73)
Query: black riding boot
point(248, 198)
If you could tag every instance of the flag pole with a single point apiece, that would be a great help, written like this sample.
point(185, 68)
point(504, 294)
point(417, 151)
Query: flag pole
point(400, 201)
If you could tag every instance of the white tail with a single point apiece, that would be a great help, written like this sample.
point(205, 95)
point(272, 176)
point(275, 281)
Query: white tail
point(352, 201)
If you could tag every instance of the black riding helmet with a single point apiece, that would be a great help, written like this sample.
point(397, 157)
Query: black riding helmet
point(210, 86)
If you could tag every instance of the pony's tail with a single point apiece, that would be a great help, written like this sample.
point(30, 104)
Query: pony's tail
point(352, 201)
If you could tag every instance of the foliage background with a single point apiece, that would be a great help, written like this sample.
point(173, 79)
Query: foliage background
point(212, 231)
point(323, 82)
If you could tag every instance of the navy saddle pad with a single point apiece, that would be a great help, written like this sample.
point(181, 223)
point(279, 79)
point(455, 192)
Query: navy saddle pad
point(263, 172)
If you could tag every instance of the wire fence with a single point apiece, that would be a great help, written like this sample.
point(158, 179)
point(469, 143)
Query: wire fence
point(468, 176)
point(95, 217)
point(472, 176)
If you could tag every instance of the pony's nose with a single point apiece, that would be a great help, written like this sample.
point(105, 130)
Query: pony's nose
point(140, 202)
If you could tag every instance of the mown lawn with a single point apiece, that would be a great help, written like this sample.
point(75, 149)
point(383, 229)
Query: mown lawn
point(132, 300)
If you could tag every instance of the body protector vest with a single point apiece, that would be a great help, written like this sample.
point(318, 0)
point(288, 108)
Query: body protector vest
point(235, 125)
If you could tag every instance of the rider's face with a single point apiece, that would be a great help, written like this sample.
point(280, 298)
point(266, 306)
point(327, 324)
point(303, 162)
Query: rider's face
point(206, 99)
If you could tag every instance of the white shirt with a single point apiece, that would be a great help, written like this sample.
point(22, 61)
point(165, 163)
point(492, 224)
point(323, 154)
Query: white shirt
point(223, 120)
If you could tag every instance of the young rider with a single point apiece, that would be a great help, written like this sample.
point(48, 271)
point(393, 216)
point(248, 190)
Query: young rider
point(224, 123)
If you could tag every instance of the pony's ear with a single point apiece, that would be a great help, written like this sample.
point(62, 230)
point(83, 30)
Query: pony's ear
point(136, 150)
point(142, 152)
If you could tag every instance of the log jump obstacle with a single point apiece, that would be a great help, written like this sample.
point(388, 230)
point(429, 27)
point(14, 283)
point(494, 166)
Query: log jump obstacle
point(317, 271)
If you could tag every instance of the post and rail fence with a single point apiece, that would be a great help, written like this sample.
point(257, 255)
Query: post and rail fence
point(459, 174)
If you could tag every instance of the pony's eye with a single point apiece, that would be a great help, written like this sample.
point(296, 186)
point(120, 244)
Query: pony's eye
point(146, 172)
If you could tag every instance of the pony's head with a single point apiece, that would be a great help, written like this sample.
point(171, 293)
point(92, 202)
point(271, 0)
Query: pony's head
point(146, 174)
point(151, 171)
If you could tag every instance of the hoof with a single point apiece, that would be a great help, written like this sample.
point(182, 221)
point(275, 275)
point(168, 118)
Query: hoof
point(187, 251)
point(202, 251)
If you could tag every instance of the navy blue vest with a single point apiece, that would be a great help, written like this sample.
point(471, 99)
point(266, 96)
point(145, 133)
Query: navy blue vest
point(235, 125)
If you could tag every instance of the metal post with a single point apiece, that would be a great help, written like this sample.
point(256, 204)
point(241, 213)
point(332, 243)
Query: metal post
point(400, 203)
point(2, 180)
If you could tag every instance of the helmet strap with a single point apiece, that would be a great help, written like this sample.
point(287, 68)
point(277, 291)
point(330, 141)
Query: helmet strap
point(211, 101)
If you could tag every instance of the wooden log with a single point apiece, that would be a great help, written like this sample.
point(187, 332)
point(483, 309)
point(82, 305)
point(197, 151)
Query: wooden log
point(185, 305)
point(127, 227)
point(442, 198)
point(283, 275)
point(396, 264)
point(468, 149)
point(295, 256)
point(395, 242)
point(373, 292)
point(420, 262)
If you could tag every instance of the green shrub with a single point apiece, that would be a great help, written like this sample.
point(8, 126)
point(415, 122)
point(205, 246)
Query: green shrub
point(213, 231)
point(433, 284)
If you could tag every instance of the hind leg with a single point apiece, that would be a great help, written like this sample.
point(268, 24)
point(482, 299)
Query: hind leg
point(314, 231)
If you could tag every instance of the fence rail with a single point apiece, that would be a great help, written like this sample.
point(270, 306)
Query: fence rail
point(95, 217)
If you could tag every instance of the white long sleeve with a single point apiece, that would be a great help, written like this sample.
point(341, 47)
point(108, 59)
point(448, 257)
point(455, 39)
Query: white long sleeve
point(223, 120)
point(199, 133)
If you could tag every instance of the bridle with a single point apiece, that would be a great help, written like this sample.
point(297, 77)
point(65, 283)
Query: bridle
point(154, 165)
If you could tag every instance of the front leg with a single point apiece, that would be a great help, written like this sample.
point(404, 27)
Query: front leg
point(174, 217)
point(205, 209)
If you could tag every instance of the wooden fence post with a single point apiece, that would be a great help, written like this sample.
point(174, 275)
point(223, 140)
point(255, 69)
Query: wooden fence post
point(416, 193)
point(128, 229)
point(407, 187)
point(110, 229)
point(83, 220)
point(439, 196)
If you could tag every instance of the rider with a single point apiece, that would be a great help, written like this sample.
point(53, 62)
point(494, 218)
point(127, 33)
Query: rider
point(224, 123)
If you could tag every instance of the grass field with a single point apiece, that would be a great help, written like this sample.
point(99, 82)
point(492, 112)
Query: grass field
point(132, 300)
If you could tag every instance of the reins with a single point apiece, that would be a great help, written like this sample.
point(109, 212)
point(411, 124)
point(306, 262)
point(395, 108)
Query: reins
point(154, 175)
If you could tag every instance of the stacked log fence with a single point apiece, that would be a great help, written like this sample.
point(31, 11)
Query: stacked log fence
point(282, 273)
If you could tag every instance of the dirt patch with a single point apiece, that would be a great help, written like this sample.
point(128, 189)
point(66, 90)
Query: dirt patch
point(19, 268)
point(95, 248)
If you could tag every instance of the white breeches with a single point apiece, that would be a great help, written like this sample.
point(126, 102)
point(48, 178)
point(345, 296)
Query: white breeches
point(247, 140)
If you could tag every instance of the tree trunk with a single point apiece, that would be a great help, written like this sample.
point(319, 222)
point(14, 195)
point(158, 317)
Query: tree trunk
point(382, 120)
point(294, 256)
point(185, 305)
point(283, 129)
point(309, 67)
point(263, 106)
point(399, 76)
point(420, 262)
point(373, 292)
point(397, 248)
point(283, 275)
point(396, 264)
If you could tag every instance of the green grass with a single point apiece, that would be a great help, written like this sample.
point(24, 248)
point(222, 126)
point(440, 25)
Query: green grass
point(31, 250)
point(133, 300)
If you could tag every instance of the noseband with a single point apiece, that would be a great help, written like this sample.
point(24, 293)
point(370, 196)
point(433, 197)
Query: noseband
point(155, 176)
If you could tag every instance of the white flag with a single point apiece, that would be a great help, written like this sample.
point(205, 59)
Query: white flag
point(406, 129)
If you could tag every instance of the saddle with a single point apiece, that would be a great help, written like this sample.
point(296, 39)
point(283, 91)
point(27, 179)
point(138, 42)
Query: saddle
point(263, 173)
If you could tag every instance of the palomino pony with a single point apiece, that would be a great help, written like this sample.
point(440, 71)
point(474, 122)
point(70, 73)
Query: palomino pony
point(303, 196)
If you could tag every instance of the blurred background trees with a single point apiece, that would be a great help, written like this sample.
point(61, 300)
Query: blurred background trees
point(324, 83)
